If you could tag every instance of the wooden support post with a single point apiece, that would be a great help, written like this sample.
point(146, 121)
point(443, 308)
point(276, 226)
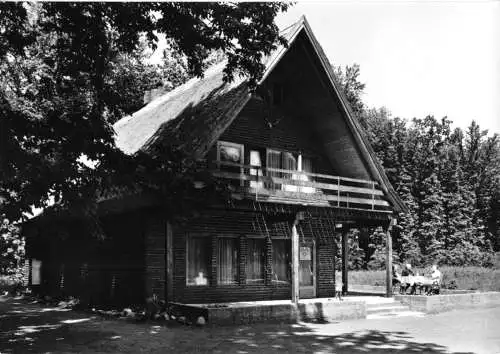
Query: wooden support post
point(169, 263)
point(388, 260)
point(345, 261)
point(295, 264)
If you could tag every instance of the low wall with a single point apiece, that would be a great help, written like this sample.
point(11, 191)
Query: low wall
point(277, 311)
point(328, 311)
point(366, 289)
point(447, 302)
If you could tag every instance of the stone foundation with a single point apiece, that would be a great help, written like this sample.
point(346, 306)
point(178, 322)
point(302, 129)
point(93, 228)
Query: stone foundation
point(316, 310)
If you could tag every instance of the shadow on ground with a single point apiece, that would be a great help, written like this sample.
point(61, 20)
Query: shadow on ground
point(28, 327)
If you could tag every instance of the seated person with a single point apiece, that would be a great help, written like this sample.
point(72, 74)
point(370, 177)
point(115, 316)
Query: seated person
point(396, 277)
point(407, 270)
point(436, 274)
point(436, 280)
point(405, 282)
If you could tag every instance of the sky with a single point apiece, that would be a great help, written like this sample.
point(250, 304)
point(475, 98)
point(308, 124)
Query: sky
point(416, 58)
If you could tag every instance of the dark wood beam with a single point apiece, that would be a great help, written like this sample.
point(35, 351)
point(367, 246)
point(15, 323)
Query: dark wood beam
point(388, 265)
point(169, 263)
point(295, 264)
point(345, 261)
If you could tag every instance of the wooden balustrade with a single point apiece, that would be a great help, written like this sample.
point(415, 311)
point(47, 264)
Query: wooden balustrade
point(299, 187)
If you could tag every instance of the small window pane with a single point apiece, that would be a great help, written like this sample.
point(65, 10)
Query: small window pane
point(255, 260)
point(230, 153)
point(281, 261)
point(227, 257)
point(256, 161)
point(198, 253)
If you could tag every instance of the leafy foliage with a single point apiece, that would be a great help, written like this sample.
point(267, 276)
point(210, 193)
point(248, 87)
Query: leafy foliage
point(68, 71)
point(11, 248)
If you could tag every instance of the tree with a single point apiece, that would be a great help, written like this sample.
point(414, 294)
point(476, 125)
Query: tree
point(447, 179)
point(59, 86)
point(11, 248)
point(353, 89)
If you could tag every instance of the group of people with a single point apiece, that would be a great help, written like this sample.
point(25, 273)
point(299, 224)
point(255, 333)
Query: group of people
point(409, 280)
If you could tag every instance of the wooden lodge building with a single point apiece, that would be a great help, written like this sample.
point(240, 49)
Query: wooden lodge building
point(303, 174)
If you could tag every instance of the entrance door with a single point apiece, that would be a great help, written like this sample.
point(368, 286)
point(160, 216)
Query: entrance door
point(307, 270)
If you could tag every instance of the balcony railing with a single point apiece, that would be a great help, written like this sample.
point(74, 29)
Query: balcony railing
point(299, 187)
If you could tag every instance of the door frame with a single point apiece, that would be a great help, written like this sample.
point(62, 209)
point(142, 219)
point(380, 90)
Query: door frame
point(309, 291)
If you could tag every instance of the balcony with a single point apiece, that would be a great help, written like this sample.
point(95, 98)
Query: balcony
point(297, 187)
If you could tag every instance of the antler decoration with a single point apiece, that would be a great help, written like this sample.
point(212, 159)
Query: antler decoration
point(268, 112)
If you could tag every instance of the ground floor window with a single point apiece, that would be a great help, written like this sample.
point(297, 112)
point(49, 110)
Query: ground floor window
point(281, 260)
point(198, 256)
point(255, 260)
point(36, 272)
point(227, 260)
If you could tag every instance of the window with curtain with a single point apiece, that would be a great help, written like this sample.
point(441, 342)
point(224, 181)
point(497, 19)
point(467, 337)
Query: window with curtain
point(281, 260)
point(289, 163)
point(197, 260)
point(255, 160)
point(255, 260)
point(273, 160)
point(227, 260)
point(307, 166)
point(292, 162)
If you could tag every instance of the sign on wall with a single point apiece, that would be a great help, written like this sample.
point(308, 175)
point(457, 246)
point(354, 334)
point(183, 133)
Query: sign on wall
point(305, 254)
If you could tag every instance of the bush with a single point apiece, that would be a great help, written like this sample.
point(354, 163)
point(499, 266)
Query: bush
point(12, 284)
point(12, 248)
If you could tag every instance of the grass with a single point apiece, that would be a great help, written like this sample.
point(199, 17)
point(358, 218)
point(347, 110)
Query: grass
point(466, 278)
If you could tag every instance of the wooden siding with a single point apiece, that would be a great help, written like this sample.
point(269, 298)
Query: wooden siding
point(244, 225)
point(97, 271)
point(292, 133)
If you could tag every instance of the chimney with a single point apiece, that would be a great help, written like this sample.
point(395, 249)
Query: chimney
point(151, 95)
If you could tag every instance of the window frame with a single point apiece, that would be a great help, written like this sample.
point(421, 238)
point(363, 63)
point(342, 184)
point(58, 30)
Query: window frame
point(264, 261)
point(238, 258)
point(241, 147)
point(221, 143)
point(209, 256)
point(289, 269)
point(299, 158)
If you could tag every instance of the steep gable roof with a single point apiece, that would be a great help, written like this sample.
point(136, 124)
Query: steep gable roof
point(195, 114)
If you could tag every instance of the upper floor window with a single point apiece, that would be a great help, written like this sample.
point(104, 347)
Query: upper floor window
point(230, 156)
point(284, 166)
point(232, 153)
point(284, 160)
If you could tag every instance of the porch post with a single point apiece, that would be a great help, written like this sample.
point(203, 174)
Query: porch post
point(169, 264)
point(295, 264)
point(345, 260)
point(388, 260)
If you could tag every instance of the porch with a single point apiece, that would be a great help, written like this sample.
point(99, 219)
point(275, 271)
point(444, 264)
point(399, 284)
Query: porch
point(323, 310)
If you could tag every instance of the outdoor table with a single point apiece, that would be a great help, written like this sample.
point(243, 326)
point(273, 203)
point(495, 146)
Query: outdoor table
point(421, 280)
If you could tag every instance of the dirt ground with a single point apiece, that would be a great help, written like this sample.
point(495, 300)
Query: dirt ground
point(31, 328)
